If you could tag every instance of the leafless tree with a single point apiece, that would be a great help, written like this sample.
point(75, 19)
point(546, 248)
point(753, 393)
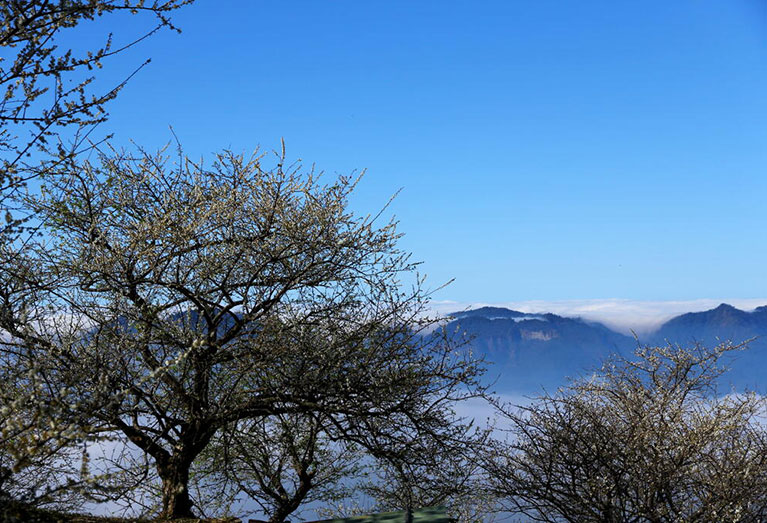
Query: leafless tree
point(642, 440)
point(176, 300)
point(282, 463)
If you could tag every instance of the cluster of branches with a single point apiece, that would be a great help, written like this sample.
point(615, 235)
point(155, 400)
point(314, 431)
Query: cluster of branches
point(47, 90)
point(647, 439)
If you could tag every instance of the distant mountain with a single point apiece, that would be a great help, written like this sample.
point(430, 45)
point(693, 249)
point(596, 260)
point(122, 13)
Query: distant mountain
point(529, 351)
point(708, 327)
point(725, 323)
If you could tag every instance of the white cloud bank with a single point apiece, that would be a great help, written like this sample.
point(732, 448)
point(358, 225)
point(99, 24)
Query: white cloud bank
point(622, 315)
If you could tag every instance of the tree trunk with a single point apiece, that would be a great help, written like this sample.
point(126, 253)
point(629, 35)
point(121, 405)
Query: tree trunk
point(175, 489)
point(286, 506)
point(279, 515)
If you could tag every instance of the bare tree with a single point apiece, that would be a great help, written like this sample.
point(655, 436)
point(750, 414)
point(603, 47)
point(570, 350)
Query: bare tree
point(175, 301)
point(282, 463)
point(643, 440)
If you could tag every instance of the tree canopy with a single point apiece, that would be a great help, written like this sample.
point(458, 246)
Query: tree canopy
point(48, 89)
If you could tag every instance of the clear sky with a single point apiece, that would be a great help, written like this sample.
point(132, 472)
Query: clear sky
point(547, 150)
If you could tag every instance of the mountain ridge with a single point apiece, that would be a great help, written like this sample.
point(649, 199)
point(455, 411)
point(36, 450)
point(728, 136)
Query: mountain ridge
point(530, 350)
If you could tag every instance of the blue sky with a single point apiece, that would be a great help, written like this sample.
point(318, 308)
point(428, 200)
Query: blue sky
point(546, 150)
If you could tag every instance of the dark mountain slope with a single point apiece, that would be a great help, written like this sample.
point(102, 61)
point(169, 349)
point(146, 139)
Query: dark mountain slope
point(724, 322)
point(748, 368)
point(528, 351)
